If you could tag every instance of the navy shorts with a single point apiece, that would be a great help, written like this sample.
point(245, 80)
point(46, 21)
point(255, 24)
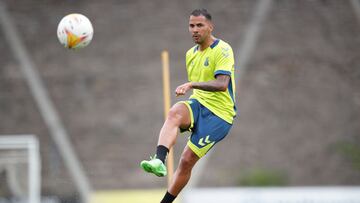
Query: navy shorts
point(206, 127)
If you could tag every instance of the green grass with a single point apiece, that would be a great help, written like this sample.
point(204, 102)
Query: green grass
point(128, 196)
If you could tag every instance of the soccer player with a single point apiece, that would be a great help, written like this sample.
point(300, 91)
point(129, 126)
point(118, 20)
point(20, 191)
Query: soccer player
point(210, 110)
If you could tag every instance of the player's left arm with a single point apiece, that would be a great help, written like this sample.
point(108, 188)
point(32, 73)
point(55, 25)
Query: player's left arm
point(220, 84)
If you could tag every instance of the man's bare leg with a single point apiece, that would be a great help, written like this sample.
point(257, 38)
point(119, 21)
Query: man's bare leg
point(183, 172)
point(178, 117)
point(182, 175)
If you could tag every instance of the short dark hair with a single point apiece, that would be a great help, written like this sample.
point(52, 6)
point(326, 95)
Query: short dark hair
point(201, 12)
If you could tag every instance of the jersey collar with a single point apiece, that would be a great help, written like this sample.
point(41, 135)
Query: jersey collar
point(213, 45)
point(216, 42)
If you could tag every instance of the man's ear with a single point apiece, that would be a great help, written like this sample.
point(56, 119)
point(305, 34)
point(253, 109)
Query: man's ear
point(211, 25)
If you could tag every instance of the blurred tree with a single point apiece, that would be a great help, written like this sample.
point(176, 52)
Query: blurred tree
point(351, 152)
point(263, 177)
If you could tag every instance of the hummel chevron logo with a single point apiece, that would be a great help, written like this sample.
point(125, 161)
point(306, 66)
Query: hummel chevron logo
point(203, 143)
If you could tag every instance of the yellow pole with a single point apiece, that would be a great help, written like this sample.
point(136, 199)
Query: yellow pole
point(166, 92)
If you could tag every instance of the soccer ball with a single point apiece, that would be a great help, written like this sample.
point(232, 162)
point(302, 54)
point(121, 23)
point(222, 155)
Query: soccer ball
point(75, 31)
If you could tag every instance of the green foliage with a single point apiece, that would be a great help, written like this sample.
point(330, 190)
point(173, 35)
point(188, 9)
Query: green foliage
point(261, 177)
point(351, 152)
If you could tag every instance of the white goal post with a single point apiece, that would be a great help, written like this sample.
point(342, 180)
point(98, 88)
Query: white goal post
point(22, 149)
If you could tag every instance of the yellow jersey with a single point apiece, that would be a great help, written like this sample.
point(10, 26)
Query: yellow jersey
point(203, 66)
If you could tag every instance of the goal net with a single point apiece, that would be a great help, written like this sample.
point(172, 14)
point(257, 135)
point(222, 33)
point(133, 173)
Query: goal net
point(20, 169)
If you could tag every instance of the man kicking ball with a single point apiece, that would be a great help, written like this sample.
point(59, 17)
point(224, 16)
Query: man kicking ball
point(210, 110)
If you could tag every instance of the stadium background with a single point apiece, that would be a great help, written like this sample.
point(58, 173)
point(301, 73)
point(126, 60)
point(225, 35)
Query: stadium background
point(298, 100)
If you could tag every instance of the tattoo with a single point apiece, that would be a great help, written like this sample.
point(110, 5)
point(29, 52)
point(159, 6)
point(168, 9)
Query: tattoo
point(219, 84)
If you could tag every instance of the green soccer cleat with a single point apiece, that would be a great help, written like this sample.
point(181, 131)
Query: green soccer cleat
point(155, 166)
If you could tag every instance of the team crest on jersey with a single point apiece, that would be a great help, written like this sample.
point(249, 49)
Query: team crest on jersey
point(206, 63)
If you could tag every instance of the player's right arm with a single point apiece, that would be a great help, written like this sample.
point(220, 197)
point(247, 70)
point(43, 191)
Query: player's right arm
point(219, 84)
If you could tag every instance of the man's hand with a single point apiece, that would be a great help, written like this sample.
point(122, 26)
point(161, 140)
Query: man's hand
point(220, 84)
point(182, 89)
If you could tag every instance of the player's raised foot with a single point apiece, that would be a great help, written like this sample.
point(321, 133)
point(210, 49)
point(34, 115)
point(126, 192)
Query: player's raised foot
point(155, 166)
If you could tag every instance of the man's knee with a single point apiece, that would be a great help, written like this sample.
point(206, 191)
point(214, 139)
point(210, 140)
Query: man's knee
point(174, 114)
point(178, 114)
